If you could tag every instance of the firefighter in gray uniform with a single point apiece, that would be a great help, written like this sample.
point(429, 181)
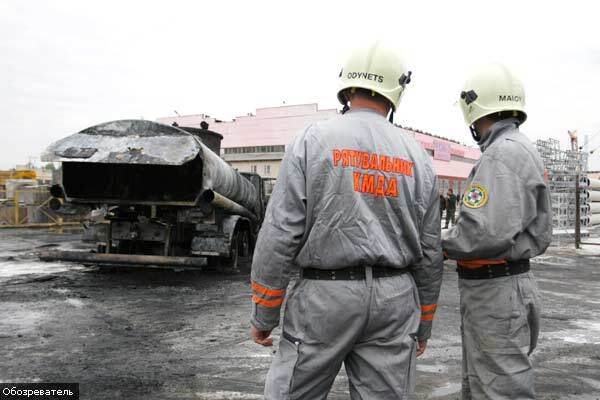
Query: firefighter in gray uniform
point(504, 220)
point(355, 212)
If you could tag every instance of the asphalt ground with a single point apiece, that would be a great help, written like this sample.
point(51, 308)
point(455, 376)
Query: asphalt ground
point(164, 334)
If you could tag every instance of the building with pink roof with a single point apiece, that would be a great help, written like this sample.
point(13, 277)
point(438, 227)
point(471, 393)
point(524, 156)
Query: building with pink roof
point(256, 142)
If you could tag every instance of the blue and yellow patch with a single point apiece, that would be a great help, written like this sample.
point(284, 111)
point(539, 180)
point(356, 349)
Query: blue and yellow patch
point(476, 196)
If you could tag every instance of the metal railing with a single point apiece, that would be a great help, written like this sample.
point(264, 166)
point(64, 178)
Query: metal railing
point(29, 208)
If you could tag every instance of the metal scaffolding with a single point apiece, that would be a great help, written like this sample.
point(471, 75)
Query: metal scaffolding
point(564, 168)
point(29, 207)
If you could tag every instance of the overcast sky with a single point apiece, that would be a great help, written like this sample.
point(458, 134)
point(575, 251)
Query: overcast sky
point(67, 65)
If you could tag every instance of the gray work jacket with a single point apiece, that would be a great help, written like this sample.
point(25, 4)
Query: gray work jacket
point(354, 190)
point(505, 213)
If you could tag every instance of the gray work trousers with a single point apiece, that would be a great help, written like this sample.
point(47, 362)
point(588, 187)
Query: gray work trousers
point(368, 325)
point(500, 328)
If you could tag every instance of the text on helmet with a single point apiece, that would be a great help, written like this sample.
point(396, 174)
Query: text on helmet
point(508, 97)
point(365, 75)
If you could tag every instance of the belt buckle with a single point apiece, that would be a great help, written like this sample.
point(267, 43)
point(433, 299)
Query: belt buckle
point(333, 275)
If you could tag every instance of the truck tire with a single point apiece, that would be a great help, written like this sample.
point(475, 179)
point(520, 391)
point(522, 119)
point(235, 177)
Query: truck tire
point(232, 261)
point(244, 243)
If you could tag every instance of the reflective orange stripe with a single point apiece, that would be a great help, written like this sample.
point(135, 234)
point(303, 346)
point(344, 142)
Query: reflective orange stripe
point(479, 263)
point(427, 317)
point(267, 303)
point(269, 292)
point(428, 307)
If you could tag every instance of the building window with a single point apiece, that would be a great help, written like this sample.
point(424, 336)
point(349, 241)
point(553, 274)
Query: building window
point(267, 169)
point(253, 168)
point(255, 149)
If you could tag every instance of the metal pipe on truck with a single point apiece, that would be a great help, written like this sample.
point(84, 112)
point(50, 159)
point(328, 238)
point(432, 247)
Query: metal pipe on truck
point(122, 259)
point(223, 202)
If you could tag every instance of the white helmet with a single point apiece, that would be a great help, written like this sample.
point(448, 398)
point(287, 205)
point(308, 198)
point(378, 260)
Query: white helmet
point(375, 68)
point(492, 89)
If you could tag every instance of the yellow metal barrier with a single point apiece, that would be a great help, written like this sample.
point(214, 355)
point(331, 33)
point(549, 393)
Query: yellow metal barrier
point(29, 208)
point(17, 174)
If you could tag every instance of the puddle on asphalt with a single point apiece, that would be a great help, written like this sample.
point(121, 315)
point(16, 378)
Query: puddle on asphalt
point(16, 268)
point(587, 332)
point(592, 382)
point(561, 294)
point(591, 285)
point(75, 302)
point(447, 389)
point(553, 260)
point(576, 338)
point(434, 369)
point(581, 360)
point(18, 320)
point(591, 325)
point(227, 395)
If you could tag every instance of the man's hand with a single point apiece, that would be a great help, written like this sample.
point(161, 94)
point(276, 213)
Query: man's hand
point(421, 346)
point(261, 337)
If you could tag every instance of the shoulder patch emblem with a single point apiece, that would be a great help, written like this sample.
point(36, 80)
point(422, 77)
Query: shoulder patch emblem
point(476, 196)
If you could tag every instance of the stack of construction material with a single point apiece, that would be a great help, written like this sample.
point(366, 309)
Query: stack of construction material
point(21, 201)
point(14, 185)
point(562, 168)
point(593, 200)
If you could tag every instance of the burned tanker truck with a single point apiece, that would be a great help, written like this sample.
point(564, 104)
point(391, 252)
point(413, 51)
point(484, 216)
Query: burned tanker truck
point(156, 195)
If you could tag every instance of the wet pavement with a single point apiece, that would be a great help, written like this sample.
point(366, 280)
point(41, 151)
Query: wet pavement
point(163, 334)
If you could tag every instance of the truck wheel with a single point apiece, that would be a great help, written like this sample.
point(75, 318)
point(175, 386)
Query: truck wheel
point(231, 262)
point(244, 244)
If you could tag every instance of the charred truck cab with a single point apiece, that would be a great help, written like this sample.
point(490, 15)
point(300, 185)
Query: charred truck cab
point(157, 195)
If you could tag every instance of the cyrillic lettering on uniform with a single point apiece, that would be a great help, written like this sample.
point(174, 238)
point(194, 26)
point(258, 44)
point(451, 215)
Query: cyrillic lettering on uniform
point(397, 168)
point(380, 185)
point(368, 183)
point(344, 158)
point(356, 176)
point(392, 189)
point(337, 155)
point(365, 160)
point(380, 190)
point(374, 165)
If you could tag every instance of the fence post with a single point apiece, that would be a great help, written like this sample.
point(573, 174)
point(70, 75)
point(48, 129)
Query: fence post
point(16, 201)
point(577, 213)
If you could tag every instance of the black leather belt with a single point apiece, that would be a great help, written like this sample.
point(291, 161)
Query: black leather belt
point(350, 273)
point(494, 271)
